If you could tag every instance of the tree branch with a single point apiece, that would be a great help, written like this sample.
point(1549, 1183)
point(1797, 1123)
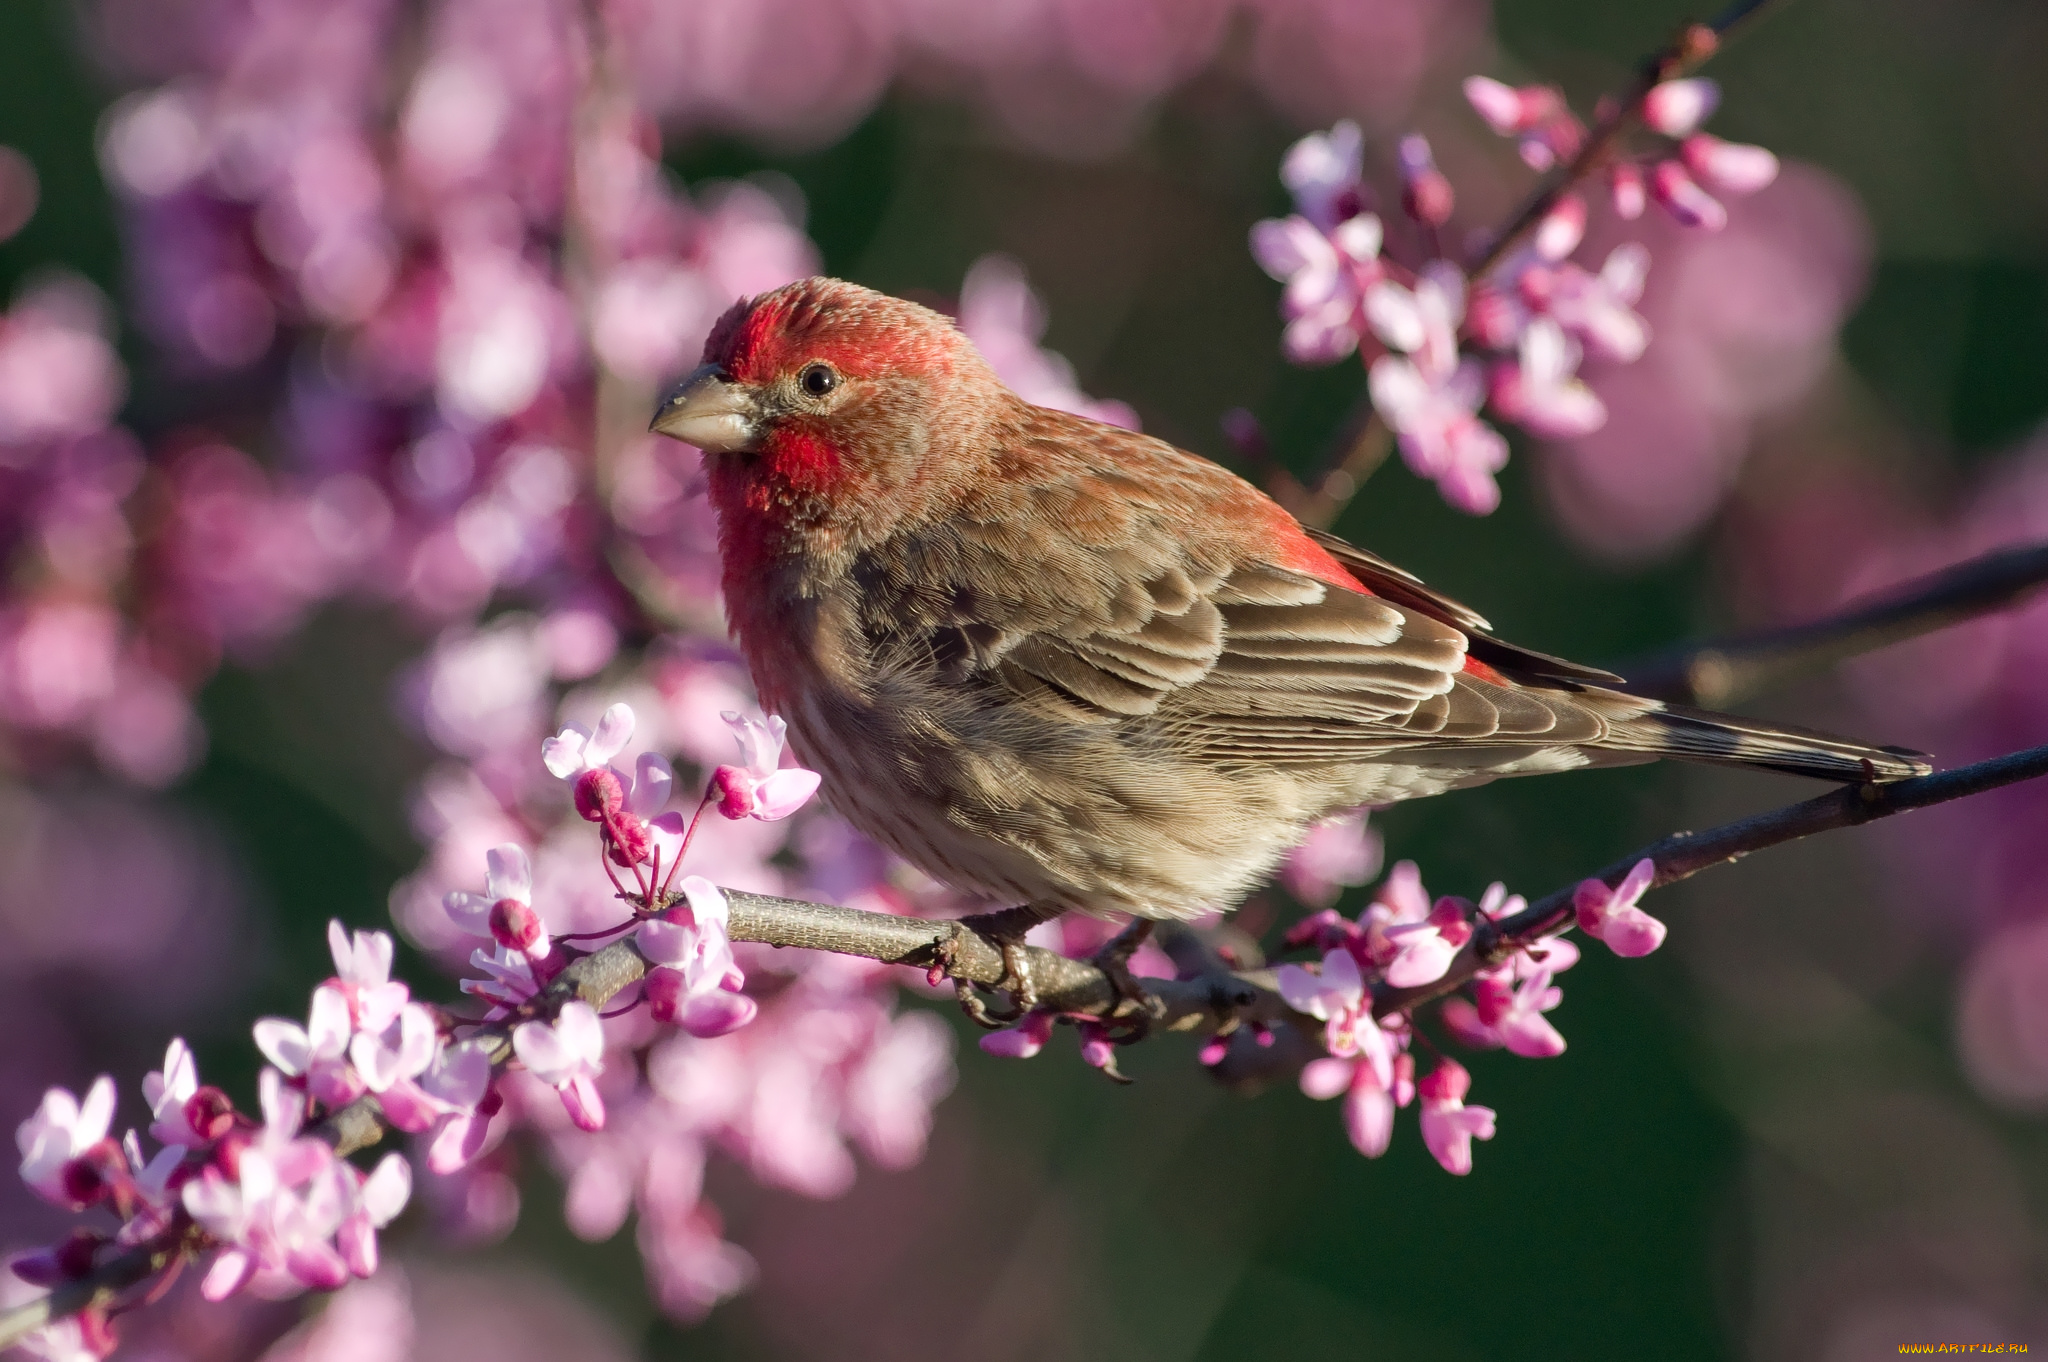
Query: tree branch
point(1211, 999)
point(1721, 673)
point(1685, 854)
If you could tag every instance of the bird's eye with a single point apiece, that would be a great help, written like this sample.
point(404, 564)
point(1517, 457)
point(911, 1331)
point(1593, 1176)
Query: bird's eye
point(818, 379)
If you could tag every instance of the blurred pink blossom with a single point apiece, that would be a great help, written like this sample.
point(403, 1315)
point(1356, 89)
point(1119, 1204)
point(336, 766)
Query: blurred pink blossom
point(1006, 320)
point(1337, 854)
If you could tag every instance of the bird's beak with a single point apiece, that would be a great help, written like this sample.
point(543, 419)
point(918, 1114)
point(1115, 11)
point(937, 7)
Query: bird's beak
point(711, 411)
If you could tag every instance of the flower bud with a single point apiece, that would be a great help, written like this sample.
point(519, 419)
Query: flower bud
point(91, 1175)
point(210, 1113)
point(1677, 107)
point(735, 789)
point(599, 793)
point(1683, 198)
point(1625, 182)
point(1426, 194)
point(516, 927)
point(628, 843)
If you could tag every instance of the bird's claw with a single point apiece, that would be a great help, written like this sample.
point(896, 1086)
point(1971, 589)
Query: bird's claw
point(999, 929)
point(1131, 1004)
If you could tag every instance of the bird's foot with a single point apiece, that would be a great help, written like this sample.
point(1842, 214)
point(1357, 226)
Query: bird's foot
point(1005, 931)
point(1131, 1006)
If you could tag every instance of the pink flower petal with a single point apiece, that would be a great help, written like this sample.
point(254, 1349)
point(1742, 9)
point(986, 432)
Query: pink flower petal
point(783, 793)
point(1677, 107)
point(1325, 1078)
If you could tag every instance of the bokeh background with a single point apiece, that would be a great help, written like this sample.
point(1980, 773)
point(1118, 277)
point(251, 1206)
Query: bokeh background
point(299, 287)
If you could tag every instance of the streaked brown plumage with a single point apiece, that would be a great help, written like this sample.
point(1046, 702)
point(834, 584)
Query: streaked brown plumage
point(1057, 663)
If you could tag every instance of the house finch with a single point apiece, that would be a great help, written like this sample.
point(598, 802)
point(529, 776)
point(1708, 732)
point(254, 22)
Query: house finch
point(1066, 666)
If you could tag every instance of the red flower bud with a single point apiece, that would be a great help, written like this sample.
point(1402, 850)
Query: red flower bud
point(665, 989)
point(628, 843)
point(514, 925)
point(735, 789)
point(599, 793)
point(210, 1113)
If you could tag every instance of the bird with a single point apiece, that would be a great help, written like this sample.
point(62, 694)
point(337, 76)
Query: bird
point(1068, 667)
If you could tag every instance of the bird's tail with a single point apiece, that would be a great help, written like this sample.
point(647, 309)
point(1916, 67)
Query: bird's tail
point(1726, 740)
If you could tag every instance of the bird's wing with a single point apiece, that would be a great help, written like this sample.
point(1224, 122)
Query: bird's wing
point(1406, 589)
point(1149, 585)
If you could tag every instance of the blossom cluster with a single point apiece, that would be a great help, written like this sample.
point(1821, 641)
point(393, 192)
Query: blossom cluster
point(276, 1207)
point(1441, 340)
point(1403, 939)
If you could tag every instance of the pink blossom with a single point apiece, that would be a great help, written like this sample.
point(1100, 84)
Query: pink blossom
point(1337, 996)
point(509, 977)
point(1327, 254)
point(1513, 1016)
point(1336, 854)
point(1448, 1125)
point(1425, 192)
point(1626, 190)
point(318, 1051)
point(456, 1087)
point(697, 985)
point(63, 1130)
point(1323, 171)
point(504, 911)
point(759, 787)
point(567, 1055)
point(401, 1050)
point(1535, 115)
point(1423, 950)
point(375, 1203)
point(1540, 390)
point(1427, 395)
point(168, 1091)
point(1599, 309)
point(1400, 899)
point(1023, 1040)
point(1682, 197)
point(1006, 320)
point(576, 749)
point(1371, 1094)
point(1326, 274)
point(362, 966)
point(1611, 915)
point(259, 1211)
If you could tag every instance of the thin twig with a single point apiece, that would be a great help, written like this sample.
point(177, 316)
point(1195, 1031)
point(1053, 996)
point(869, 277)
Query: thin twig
point(1695, 43)
point(1721, 673)
point(1685, 854)
point(1363, 453)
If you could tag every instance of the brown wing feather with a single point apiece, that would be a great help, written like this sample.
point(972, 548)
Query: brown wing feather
point(1405, 588)
point(1218, 654)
